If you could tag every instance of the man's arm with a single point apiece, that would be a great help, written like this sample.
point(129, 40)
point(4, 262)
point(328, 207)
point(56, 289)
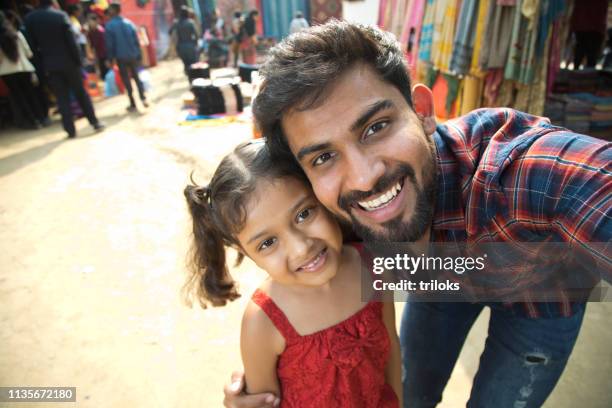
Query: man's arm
point(109, 39)
point(393, 369)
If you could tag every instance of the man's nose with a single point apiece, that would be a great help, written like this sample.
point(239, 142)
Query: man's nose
point(363, 169)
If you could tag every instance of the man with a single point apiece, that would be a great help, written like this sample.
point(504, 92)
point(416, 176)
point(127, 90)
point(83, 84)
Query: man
point(298, 23)
point(338, 98)
point(123, 47)
point(51, 36)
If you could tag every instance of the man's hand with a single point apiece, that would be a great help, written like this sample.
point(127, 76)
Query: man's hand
point(236, 398)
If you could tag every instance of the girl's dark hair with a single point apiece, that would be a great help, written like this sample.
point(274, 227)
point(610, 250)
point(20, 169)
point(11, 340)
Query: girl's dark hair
point(218, 212)
point(8, 38)
point(300, 69)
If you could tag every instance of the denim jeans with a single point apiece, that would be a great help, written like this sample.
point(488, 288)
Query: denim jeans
point(521, 363)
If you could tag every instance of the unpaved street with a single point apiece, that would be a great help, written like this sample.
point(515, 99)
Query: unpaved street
point(93, 236)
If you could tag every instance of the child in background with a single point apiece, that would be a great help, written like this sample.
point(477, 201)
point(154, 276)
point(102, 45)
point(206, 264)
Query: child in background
point(306, 336)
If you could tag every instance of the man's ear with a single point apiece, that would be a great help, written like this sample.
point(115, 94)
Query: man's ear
point(422, 98)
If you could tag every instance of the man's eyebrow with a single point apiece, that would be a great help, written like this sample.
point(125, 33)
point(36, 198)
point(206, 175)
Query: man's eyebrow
point(362, 120)
point(305, 151)
point(371, 111)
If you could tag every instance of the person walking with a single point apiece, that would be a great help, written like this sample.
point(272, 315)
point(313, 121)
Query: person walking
point(96, 35)
point(298, 23)
point(20, 77)
point(51, 36)
point(122, 46)
point(236, 39)
point(186, 38)
point(249, 38)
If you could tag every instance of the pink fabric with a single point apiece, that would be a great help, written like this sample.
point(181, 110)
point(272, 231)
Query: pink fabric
point(414, 19)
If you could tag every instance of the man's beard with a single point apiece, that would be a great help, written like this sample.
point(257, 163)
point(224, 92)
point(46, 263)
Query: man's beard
point(398, 230)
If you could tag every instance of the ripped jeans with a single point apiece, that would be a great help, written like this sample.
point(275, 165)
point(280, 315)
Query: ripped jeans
point(521, 363)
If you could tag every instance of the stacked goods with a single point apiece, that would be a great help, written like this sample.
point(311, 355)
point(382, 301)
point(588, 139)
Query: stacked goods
point(245, 70)
point(219, 96)
point(198, 70)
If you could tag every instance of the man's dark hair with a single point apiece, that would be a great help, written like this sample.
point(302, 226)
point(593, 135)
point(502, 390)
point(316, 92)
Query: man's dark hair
point(116, 7)
point(300, 69)
point(45, 3)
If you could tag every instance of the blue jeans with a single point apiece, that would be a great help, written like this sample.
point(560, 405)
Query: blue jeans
point(521, 363)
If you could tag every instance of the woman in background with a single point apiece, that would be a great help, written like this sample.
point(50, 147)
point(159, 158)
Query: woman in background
point(249, 38)
point(20, 77)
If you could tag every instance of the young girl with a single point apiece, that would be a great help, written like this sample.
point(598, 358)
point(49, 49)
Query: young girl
point(306, 336)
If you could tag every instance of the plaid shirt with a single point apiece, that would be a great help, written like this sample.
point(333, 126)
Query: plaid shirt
point(507, 176)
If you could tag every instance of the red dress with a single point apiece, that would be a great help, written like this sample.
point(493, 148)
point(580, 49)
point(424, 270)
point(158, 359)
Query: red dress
point(341, 366)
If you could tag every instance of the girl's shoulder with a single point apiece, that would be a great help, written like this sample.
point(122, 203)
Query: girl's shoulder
point(258, 325)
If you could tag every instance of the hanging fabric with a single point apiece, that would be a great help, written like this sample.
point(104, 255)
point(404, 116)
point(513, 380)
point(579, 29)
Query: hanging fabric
point(463, 45)
point(497, 32)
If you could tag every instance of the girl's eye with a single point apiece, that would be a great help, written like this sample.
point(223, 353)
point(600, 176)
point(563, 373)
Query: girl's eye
point(375, 128)
point(267, 243)
point(322, 158)
point(304, 214)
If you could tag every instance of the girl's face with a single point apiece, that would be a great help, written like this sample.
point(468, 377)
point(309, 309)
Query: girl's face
point(290, 235)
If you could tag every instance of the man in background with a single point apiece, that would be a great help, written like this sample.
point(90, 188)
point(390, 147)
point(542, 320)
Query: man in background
point(123, 47)
point(51, 36)
point(298, 23)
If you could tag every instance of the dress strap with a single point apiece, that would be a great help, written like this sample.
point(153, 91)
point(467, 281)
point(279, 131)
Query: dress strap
point(275, 314)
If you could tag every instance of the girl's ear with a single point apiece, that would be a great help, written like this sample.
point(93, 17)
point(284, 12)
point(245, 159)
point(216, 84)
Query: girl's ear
point(422, 99)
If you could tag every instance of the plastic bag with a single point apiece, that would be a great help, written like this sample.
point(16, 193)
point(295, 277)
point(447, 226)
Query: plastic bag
point(110, 85)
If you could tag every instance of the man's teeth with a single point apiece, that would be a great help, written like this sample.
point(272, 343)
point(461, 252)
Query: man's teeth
point(381, 200)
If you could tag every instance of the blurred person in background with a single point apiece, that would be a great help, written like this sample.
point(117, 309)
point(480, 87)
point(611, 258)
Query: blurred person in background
point(123, 47)
point(20, 77)
point(298, 23)
point(51, 36)
point(74, 12)
point(186, 35)
point(236, 39)
point(249, 38)
point(96, 33)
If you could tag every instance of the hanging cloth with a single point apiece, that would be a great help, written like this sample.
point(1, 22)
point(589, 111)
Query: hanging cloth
point(426, 39)
point(444, 29)
point(483, 8)
point(463, 44)
point(497, 32)
point(411, 34)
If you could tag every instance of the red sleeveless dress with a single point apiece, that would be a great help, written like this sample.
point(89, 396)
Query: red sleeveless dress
point(341, 366)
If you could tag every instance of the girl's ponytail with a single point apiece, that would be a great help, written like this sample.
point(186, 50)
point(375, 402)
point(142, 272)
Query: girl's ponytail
point(210, 279)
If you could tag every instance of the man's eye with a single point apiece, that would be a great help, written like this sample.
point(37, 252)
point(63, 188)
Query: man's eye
point(322, 158)
point(266, 244)
point(376, 127)
point(304, 214)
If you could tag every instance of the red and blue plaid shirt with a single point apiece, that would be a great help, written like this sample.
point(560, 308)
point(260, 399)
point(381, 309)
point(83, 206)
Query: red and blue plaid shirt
point(507, 176)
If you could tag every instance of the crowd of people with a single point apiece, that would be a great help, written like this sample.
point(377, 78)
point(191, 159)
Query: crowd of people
point(45, 53)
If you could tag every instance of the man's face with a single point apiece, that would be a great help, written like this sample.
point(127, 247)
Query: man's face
point(367, 157)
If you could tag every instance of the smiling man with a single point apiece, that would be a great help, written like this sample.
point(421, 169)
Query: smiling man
point(338, 99)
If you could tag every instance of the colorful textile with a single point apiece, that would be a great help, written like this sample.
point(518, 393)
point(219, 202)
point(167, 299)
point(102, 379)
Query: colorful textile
point(463, 44)
point(483, 8)
point(426, 39)
point(497, 32)
point(521, 57)
point(444, 29)
point(507, 176)
point(411, 34)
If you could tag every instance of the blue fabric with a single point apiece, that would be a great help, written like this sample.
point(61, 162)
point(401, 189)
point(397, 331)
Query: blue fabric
point(521, 363)
point(121, 39)
point(277, 16)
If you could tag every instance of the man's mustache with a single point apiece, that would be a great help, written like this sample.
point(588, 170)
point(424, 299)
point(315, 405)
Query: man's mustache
point(383, 184)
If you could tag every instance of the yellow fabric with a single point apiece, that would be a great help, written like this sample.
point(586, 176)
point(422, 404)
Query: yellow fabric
point(483, 7)
point(444, 32)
